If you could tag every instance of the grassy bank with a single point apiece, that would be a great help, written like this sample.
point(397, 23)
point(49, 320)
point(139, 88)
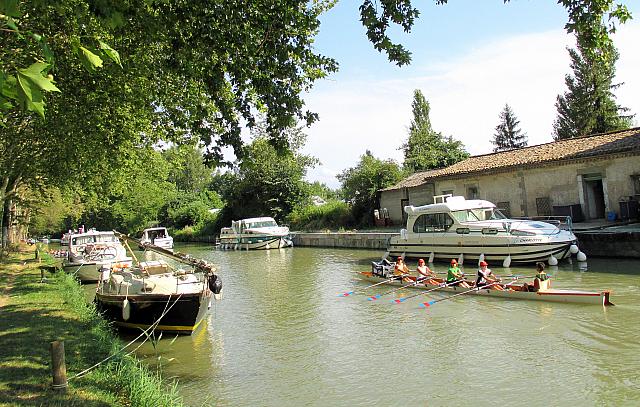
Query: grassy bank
point(33, 314)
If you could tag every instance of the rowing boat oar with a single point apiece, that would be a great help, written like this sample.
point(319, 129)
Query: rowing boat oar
point(443, 285)
point(348, 293)
point(375, 297)
point(430, 303)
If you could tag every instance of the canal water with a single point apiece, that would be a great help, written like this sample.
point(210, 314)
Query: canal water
point(282, 337)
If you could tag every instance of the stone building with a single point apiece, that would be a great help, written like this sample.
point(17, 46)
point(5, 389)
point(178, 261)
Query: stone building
point(588, 177)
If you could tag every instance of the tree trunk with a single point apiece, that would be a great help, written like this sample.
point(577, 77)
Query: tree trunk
point(3, 191)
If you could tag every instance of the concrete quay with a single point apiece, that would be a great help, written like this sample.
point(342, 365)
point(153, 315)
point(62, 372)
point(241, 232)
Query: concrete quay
point(350, 240)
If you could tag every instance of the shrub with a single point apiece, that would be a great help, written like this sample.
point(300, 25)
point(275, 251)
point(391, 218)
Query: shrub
point(332, 215)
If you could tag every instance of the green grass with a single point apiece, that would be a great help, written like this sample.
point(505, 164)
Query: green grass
point(34, 314)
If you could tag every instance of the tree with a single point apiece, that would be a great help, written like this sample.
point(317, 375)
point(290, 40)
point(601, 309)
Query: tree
point(508, 135)
point(594, 19)
point(268, 181)
point(361, 183)
point(426, 149)
point(188, 171)
point(588, 106)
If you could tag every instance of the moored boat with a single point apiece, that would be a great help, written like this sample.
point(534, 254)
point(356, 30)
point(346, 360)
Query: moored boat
point(158, 236)
point(512, 291)
point(156, 295)
point(475, 229)
point(255, 234)
point(91, 250)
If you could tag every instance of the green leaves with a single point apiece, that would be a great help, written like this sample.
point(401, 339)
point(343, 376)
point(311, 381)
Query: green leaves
point(89, 60)
point(111, 53)
point(31, 82)
point(10, 8)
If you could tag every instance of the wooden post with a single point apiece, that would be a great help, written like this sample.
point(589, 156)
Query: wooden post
point(58, 367)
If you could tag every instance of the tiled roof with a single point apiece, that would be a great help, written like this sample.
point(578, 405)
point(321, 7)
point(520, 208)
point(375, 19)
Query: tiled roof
point(557, 151)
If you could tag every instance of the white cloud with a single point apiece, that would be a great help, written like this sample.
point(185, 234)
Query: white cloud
point(466, 95)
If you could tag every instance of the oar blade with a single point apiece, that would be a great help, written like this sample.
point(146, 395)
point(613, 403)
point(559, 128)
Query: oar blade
point(427, 304)
point(348, 293)
point(374, 297)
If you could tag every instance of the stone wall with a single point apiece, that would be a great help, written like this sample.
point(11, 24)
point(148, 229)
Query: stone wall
point(361, 240)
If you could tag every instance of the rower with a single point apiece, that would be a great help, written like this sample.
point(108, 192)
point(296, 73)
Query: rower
point(540, 281)
point(486, 277)
point(401, 269)
point(455, 276)
point(425, 274)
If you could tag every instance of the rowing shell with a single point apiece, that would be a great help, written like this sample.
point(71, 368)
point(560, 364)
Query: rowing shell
point(514, 291)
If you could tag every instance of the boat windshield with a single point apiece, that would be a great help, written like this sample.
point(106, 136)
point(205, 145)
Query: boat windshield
point(263, 224)
point(478, 215)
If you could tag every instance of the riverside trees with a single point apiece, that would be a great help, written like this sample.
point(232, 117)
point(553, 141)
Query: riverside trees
point(588, 106)
point(425, 148)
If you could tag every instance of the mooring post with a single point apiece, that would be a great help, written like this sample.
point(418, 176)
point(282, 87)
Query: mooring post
point(58, 367)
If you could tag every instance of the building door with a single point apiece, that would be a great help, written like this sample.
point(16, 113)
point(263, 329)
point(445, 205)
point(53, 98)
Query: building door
point(594, 196)
point(403, 203)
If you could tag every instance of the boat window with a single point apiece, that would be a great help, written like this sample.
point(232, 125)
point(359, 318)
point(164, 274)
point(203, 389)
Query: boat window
point(106, 238)
point(263, 224)
point(475, 215)
point(432, 222)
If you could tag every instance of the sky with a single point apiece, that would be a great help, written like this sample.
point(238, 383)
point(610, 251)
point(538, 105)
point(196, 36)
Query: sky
point(469, 59)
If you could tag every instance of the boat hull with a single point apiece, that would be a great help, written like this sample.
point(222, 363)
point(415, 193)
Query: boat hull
point(89, 273)
point(183, 318)
point(549, 295)
point(255, 243)
point(520, 253)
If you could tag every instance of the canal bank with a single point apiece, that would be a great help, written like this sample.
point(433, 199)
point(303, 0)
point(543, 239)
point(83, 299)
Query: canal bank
point(36, 312)
point(595, 239)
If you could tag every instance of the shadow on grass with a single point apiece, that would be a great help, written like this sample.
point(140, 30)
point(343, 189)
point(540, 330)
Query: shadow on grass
point(29, 324)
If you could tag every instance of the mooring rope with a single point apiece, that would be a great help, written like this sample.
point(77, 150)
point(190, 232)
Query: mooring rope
point(144, 332)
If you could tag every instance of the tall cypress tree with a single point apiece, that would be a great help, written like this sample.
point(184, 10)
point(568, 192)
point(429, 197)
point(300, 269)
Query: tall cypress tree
point(589, 104)
point(508, 135)
point(425, 148)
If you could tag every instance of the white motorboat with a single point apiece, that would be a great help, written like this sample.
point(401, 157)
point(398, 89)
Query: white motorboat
point(158, 236)
point(255, 233)
point(89, 251)
point(476, 229)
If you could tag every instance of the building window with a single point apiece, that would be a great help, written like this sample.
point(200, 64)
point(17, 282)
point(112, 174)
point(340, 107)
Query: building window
point(543, 206)
point(635, 180)
point(472, 192)
point(432, 222)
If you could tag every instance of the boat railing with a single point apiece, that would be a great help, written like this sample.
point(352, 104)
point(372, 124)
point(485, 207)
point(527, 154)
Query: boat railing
point(561, 222)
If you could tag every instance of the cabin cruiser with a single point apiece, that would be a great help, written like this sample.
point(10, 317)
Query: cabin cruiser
point(476, 229)
point(89, 251)
point(255, 233)
point(157, 295)
point(158, 236)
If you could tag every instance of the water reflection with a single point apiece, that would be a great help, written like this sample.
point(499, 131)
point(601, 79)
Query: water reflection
point(281, 337)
